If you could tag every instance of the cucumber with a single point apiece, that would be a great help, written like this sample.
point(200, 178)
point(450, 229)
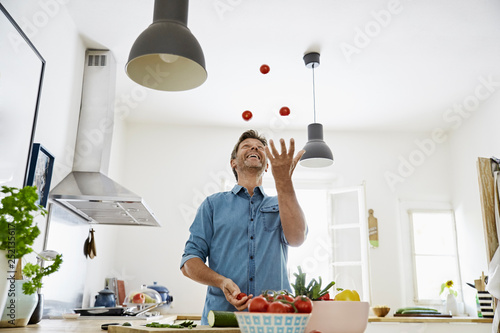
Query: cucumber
point(418, 312)
point(222, 319)
point(417, 308)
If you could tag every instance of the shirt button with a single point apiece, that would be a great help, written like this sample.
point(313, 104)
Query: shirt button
point(251, 219)
point(251, 279)
point(251, 237)
point(251, 257)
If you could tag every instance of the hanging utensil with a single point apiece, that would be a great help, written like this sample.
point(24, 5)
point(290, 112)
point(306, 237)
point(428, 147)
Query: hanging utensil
point(86, 246)
point(92, 250)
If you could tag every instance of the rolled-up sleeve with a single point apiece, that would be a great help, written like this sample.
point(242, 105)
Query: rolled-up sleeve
point(201, 232)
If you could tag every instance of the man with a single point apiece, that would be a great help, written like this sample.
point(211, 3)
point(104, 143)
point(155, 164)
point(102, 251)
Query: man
point(244, 233)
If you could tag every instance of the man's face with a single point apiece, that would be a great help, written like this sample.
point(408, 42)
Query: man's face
point(251, 155)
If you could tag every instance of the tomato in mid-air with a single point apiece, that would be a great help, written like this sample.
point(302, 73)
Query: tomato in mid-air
point(285, 111)
point(303, 304)
point(246, 115)
point(240, 296)
point(258, 304)
point(264, 69)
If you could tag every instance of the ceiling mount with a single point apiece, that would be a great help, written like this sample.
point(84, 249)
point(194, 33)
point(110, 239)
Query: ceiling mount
point(311, 59)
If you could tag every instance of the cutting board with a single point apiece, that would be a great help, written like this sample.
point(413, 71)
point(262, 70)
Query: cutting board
point(197, 329)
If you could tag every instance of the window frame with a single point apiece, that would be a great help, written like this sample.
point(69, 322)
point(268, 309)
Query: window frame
point(409, 270)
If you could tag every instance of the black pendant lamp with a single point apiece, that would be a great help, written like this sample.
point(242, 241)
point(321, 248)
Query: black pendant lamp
point(166, 56)
point(317, 154)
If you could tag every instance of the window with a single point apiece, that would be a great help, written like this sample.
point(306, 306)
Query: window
point(336, 247)
point(434, 253)
point(348, 228)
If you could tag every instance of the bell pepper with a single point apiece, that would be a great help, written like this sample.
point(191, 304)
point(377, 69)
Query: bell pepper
point(347, 295)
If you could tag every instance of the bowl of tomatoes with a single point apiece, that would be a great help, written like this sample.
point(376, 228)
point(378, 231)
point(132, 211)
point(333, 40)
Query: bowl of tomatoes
point(275, 312)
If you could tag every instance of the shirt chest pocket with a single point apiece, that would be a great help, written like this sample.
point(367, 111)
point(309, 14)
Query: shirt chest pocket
point(271, 217)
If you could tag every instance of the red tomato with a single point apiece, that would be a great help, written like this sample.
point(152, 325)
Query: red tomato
point(325, 297)
point(284, 111)
point(315, 331)
point(303, 304)
point(258, 304)
point(264, 69)
point(279, 307)
point(247, 115)
point(285, 297)
point(240, 296)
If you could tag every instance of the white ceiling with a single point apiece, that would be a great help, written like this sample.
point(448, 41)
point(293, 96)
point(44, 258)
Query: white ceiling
point(426, 56)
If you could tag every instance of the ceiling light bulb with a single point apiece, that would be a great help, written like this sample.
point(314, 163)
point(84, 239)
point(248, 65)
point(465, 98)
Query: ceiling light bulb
point(169, 58)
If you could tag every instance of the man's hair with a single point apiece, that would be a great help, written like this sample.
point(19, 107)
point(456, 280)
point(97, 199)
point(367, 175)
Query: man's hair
point(250, 134)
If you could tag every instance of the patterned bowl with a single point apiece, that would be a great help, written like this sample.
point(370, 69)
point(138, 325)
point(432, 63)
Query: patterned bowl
point(255, 322)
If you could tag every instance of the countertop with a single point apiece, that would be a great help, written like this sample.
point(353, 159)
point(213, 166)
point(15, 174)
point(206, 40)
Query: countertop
point(84, 325)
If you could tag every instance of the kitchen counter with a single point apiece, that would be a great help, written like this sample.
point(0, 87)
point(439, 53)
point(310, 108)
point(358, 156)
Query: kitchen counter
point(85, 325)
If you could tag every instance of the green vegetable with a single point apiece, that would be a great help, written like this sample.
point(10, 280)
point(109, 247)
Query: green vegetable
point(419, 312)
point(313, 289)
point(127, 324)
point(184, 324)
point(416, 309)
point(222, 319)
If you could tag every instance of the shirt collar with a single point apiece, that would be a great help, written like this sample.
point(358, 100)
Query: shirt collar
point(259, 189)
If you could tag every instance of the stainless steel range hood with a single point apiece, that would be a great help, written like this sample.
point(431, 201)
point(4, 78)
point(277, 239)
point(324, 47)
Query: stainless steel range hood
point(87, 191)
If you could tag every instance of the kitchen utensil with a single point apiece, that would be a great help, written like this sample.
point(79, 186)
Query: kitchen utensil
point(105, 298)
point(150, 296)
point(92, 251)
point(89, 245)
point(134, 312)
point(163, 291)
point(101, 311)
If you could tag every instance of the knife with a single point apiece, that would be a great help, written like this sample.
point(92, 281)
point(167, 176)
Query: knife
point(128, 313)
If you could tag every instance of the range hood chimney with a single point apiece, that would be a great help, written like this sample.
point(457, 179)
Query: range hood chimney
point(87, 191)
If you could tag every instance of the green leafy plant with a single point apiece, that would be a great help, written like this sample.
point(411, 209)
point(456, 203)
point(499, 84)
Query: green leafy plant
point(448, 284)
point(35, 273)
point(17, 233)
point(313, 289)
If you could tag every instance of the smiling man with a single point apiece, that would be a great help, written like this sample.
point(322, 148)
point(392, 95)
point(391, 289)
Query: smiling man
point(244, 233)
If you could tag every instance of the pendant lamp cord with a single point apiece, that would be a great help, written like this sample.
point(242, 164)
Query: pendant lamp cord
point(314, 95)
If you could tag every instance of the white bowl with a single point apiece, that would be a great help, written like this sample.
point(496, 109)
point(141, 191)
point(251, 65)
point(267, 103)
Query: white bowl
point(250, 322)
point(339, 317)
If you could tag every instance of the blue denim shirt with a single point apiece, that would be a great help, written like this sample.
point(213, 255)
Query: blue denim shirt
point(242, 237)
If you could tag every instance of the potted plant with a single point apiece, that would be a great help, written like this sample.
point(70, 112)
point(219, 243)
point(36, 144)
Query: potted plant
point(17, 235)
